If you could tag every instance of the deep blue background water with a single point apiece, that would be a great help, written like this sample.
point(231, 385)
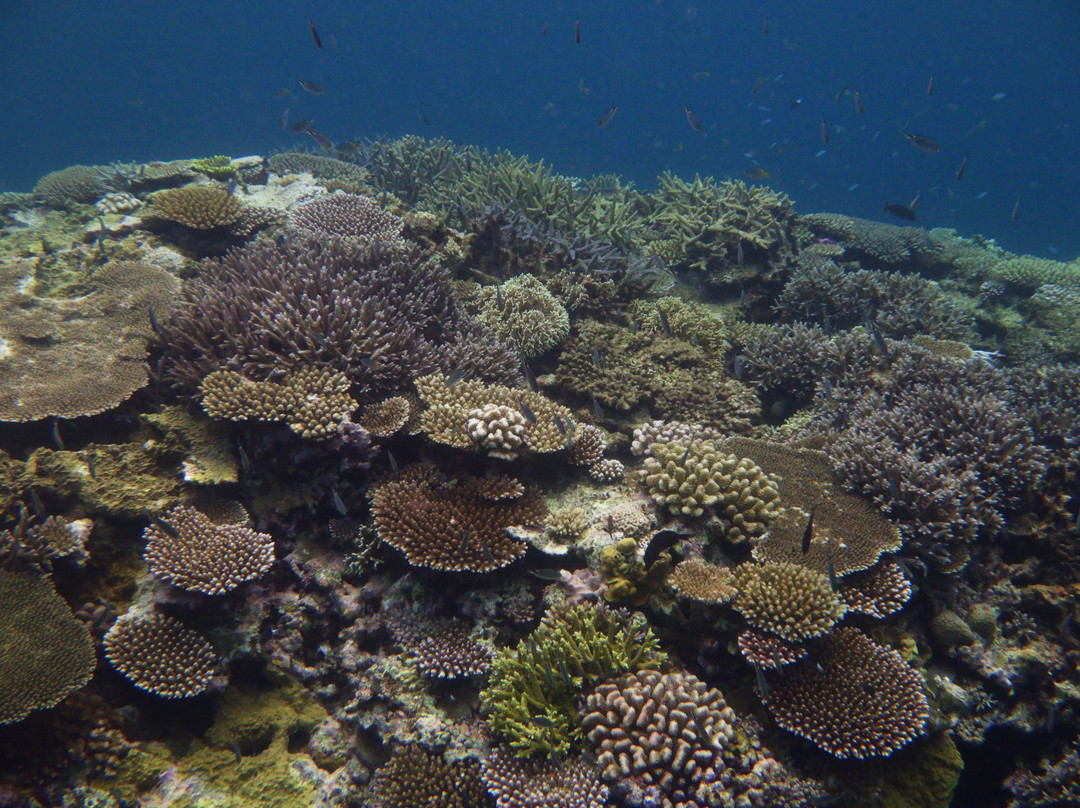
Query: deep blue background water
point(96, 82)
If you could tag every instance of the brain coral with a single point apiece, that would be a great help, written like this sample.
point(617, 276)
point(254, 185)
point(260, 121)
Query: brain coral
point(78, 356)
point(688, 479)
point(188, 550)
point(45, 652)
point(382, 317)
point(790, 601)
point(850, 697)
point(160, 656)
point(524, 315)
point(658, 737)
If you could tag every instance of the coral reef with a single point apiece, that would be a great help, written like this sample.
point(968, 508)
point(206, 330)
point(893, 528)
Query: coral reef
point(790, 601)
point(47, 652)
point(348, 216)
point(200, 207)
point(72, 185)
point(159, 655)
point(415, 776)
point(517, 783)
point(384, 418)
point(699, 580)
point(524, 314)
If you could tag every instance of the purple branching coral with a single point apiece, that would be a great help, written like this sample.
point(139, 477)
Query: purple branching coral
point(381, 316)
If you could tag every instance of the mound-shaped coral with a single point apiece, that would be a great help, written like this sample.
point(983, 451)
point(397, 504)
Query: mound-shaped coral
point(699, 580)
point(200, 207)
point(688, 479)
point(330, 172)
point(850, 697)
point(524, 314)
point(70, 185)
point(382, 317)
point(312, 401)
point(658, 737)
point(188, 550)
point(533, 687)
point(793, 602)
point(348, 216)
point(160, 656)
point(415, 776)
point(78, 356)
point(45, 652)
point(450, 526)
point(517, 783)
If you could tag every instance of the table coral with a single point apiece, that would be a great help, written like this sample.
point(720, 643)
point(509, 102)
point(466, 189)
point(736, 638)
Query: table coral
point(788, 600)
point(159, 655)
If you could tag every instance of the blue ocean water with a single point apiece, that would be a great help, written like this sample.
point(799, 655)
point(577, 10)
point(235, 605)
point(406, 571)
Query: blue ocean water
point(127, 80)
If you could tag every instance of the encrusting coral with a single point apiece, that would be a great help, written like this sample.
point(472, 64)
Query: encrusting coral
point(47, 652)
point(186, 549)
point(532, 688)
point(159, 655)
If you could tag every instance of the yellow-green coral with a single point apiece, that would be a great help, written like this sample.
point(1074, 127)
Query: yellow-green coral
point(218, 167)
point(533, 687)
point(686, 319)
point(790, 601)
point(524, 314)
point(629, 581)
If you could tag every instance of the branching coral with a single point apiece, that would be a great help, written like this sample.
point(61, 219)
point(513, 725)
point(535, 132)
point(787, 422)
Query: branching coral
point(415, 776)
point(658, 737)
point(381, 317)
point(46, 651)
point(80, 356)
point(334, 174)
point(699, 580)
point(188, 550)
point(162, 657)
point(878, 592)
point(453, 527)
point(532, 688)
point(875, 243)
point(384, 418)
point(524, 314)
point(793, 602)
point(311, 401)
point(850, 697)
point(200, 207)
point(348, 216)
point(517, 783)
point(451, 652)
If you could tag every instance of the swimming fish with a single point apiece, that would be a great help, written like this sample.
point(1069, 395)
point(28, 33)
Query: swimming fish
point(422, 118)
point(530, 416)
point(465, 539)
point(285, 118)
point(154, 325)
point(692, 119)
point(808, 533)
point(303, 125)
point(1015, 211)
point(703, 74)
point(963, 167)
point(338, 503)
point(761, 683)
point(530, 379)
point(605, 119)
point(824, 132)
point(455, 377)
point(547, 574)
point(595, 357)
point(91, 466)
point(577, 31)
point(859, 108)
point(394, 467)
point(542, 721)
point(596, 408)
point(665, 326)
point(922, 142)
point(321, 139)
point(757, 173)
point(930, 86)
point(312, 87)
point(900, 211)
point(56, 435)
point(661, 540)
point(314, 34)
point(560, 424)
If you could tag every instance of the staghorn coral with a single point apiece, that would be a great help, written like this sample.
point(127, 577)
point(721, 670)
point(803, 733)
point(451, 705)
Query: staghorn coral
point(517, 783)
point(793, 602)
point(415, 776)
point(768, 651)
point(451, 406)
point(1049, 785)
point(379, 316)
point(47, 652)
point(312, 401)
point(688, 479)
point(451, 653)
point(199, 207)
point(34, 545)
point(451, 527)
point(160, 656)
point(80, 356)
point(71, 185)
point(877, 592)
point(532, 688)
point(385, 418)
point(699, 580)
point(850, 697)
point(522, 313)
point(348, 216)
point(188, 550)
point(658, 737)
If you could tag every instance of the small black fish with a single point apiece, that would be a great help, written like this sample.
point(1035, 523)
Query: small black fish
point(565, 674)
point(56, 435)
point(91, 466)
point(577, 31)
point(763, 686)
point(312, 87)
point(930, 86)
point(559, 424)
point(963, 167)
point(542, 721)
point(879, 341)
point(859, 108)
point(165, 527)
point(230, 189)
point(155, 326)
point(314, 34)
point(422, 118)
point(922, 142)
point(530, 416)
point(605, 119)
point(824, 132)
point(827, 383)
point(35, 503)
point(498, 298)
point(488, 555)
point(900, 211)
point(465, 539)
point(686, 454)
point(692, 119)
point(808, 533)
point(455, 377)
point(392, 461)
point(245, 463)
point(830, 567)
point(665, 326)
point(367, 362)
point(302, 126)
point(321, 139)
point(339, 504)
point(1015, 211)
point(740, 253)
point(530, 378)
point(661, 540)
point(547, 574)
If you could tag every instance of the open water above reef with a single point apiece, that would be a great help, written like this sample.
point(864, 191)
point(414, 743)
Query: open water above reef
point(388, 470)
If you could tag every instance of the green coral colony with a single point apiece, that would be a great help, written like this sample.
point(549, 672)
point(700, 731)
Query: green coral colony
point(428, 476)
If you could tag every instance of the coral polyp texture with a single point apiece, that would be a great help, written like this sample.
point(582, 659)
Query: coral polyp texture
point(45, 651)
point(159, 655)
point(451, 526)
point(72, 185)
point(699, 580)
point(312, 401)
point(186, 549)
point(658, 736)
point(877, 592)
point(524, 314)
point(766, 651)
point(416, 776)
point(517, 783)
point(77, 356)
point(793, 602)
point(452, 653)
point(200, 207)
point(384, 418)
point(850, 697)
point(348, 216)
point(687, 479)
